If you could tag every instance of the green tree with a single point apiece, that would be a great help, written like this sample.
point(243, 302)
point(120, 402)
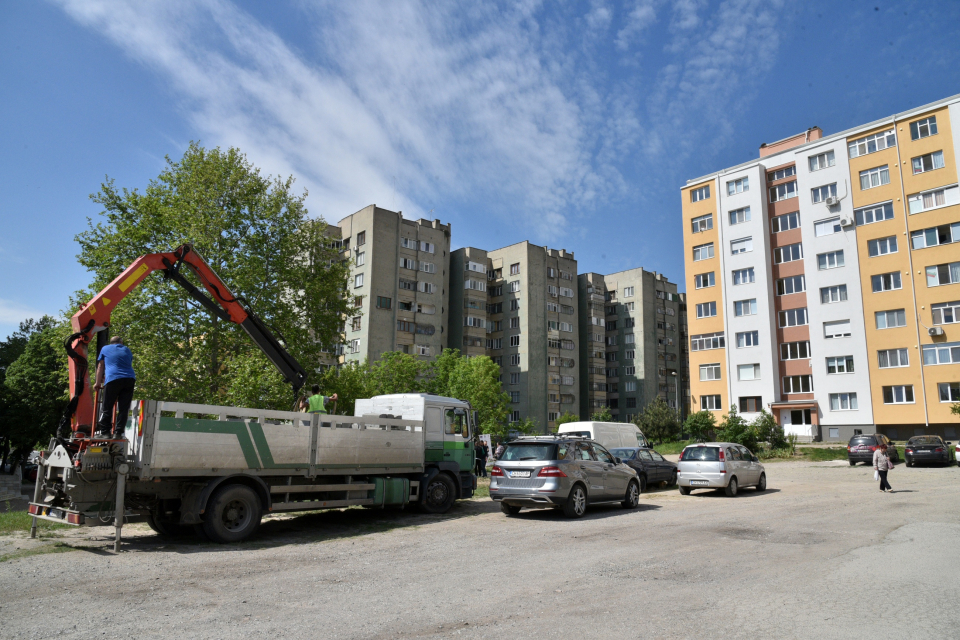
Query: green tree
point(767, 430)
point(440, 371)
point(603, 415)
point(396, 372)
point(350, 381)
point(567, 417)
point(733, 428)
point(955, 408)
point(477, 380)
point(659, 422)
point(700, 424)
point(254, 231)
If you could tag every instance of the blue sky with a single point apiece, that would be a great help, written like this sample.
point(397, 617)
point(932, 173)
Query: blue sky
point(572, 124)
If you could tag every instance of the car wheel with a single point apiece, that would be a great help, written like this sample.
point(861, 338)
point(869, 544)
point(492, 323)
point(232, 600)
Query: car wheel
point(233, 514)
point(731, 489)
point(853, 463)
point(909, 463)
point(509, 509)
point(643, 483)
point(440, 494)
point(762, 485)
point(684, 491)
point(576, 504)
point(673, 480)
point(632, 497)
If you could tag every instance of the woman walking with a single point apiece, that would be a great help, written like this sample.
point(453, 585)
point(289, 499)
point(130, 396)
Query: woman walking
point(882, 464)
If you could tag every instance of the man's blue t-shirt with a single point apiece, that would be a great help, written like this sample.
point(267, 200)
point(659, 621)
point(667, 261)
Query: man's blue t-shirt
point(117, 362)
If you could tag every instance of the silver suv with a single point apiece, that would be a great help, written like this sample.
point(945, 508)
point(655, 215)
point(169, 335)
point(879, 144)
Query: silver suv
point(560, 472)
point(719, 465)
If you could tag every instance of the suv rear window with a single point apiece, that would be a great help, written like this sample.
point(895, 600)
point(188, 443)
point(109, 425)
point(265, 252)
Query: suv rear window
point(529, 451)
point(924, 440)
point(863, 440)
point(706, 454)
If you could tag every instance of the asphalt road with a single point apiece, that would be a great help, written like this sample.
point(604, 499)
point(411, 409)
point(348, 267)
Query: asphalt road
point(821, 554)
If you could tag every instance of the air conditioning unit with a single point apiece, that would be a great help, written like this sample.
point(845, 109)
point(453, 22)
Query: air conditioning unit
point(832, 201)
point(935, 331)
point(846, 222)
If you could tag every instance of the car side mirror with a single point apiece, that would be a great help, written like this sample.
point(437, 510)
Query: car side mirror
point(618, 460)
point(755, 459)
point(949, 443)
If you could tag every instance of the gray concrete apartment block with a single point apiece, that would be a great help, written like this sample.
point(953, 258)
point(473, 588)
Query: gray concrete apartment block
point(401, 273)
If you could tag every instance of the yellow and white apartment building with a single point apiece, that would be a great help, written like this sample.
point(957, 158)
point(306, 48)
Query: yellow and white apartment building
point(823, 279)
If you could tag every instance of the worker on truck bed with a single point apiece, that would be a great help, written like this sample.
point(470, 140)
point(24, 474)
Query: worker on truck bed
point(116, 377)
point(316, 403)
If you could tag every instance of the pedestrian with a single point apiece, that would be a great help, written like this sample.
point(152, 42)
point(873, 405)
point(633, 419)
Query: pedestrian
point(882, 464)
point(116, 377)
point(480, 459)
point(316, 403)
point(486, 456)
point(499, 451)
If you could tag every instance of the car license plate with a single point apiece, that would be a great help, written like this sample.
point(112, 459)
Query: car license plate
point(699, 482)
point(519, 474)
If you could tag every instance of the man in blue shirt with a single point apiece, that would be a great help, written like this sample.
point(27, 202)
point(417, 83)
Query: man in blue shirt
point(116, 377)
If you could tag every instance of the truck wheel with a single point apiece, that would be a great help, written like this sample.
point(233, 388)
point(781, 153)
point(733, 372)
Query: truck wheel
point(508, 509)
point(233, 514)
point(440, 494)
point(168, 529)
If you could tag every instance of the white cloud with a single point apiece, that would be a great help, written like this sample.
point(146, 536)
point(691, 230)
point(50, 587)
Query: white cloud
point(642, 15)
point(12, 313)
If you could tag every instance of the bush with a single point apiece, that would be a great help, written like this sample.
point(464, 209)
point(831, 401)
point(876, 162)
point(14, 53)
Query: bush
point(700, 424)
point(733, 428)
point(769, 431)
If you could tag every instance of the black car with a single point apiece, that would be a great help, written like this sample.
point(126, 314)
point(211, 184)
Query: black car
point(649, 465)
point(927, 449)
point(861, 448)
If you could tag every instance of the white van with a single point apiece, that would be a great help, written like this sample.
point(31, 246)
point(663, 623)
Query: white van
point(609, 434)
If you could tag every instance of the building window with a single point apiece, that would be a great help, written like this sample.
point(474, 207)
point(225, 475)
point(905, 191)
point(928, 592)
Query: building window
point(742, 245)
point(748, 371)
point(923, 128)
point(821, 161)
point(946, 353)
point(407, 263)
point(427, 309)
point(783, 191)
point(361, 238)
point(748, 339)
point(470, 321)
point(514, 341)
point(875, 177)
point(827, 227)
point(830, 260)
point(515, 269)
point(361, 256)
point(898, 394)
point(841, 364)
point(882, 246)
point(738, 186)
point(935, 236)
point(383, 303)
point(404, 306)
point(819, 194)
point(704, 310)
point(696, 195)
point(949, 391)
point(566, 292)
point(628, 292)
point(495, 291)
point(872, 144)
point(358, 280)
point(426, 287)
point(702, 223)
point(408, 243)
point(837, 329)
point(703, 251)
point(515, 397)
point(706, 341)
point(514, 305)
point(780, 174)
point(751, 404)
point(893, 358)
point(475, 267)
point(785, 222)
point(795, 350)
point(890, 319)
point(874, 213)
point(745, 307)
point(628, 338)
point(628, 355)
point(843, 402)
point(941, 274)
point(429, 247)
point(837, 293)
point(429, 267)
point(933, 199)
point(355, 323)
point(703, 280)
point(514, 416)
point(406, 326)
point(515, 323)
point(739, 216)
point(710, 403)
point(710, 372)
point(788, 253)
point(798, 384)
point(515, 360)
point(886, 282)
point(946, 312)
point(927, 162)
point(744, 276)
point(353, 346)
point(627, 371)
point(793, 284)
point(793, 317)
point(408, 285)
point(476, 285)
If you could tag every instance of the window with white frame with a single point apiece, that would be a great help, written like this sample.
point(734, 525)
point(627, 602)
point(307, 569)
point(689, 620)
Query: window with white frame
point(515, 323)
point(875, 177)
point(748, 371)
point(707, 341)
point(830, 260)
point(407, 263)
point(872, 143)
point(426, 287)
point(358, 280)
point(703, 280)
point(711, 403)
point(696, 195)
point(946, 312)
point(898, 394)
point(935, 236)
point(476, 285)
point(748, 339)
point(840, 364)
point(792, 284)
point(627, 371)
point(819, 194)
point(474, 266)
point(745, 307)
point(783, 191)
point(566, 292)
point(739, 216)
point(628, 292)
point(629, 338)
point(836, 329)
point(795, 350)
point(893, 358)
point(515, 359)
point(742, 245)
point(942, 274)
point(949, 391)
point(408, 243)
point(945, 353)
point(886, 282)
point(821, 161)
point(429, 247)
point(515, 269)
point(827, 227)
point(793, 317)
point(703, 251)
point(780, 174)
point(785, 222)
point(710, 371)
point(798, 384)
point(470, 321)
point(927, 162)
point(361, 258)
point(428, 267)
point(706, 309)
point(353, 346)
point(874, 213)
point(514, 416)
point(738, 186)
point(788, 253)
point(514, 341)
point(923, 128)
point(836, 293)
point(630, 386)
point(933, 199)
point(629, 354)
point(744, 276)
point(882, 246)
point(843, 402)
point(890, 319)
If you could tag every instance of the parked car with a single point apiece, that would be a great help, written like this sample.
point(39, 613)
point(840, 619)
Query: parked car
point(610, 434)
point(927, 449)
point(861, 448)
point(651, 467)
point(719, 465)
point(560, 472)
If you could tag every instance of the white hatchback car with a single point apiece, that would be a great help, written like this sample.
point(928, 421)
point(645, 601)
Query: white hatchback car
point(719, 465)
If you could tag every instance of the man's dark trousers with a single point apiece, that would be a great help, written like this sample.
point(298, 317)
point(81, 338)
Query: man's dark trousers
point(116, 392)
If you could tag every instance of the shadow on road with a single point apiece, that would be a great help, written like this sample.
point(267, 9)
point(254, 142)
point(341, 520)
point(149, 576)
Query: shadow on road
point(742, 493)
point(594, 512)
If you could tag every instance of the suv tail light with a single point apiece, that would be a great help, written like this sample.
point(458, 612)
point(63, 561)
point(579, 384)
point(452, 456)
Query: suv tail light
point(872, 447)
point(938, 450)
point(722, 456)
point(848, 448)
point(911, 450)
point(551, 472)
point(496, 472)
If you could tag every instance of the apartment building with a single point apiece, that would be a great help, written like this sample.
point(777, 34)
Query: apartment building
point(518, 305)
point(400, 278)
point(630, 342)
point(823, 281)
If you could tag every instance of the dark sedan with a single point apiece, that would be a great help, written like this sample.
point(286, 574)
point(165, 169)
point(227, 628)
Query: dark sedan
point(927, 449)
point(649, 465)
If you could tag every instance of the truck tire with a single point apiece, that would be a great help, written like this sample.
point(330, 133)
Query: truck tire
point(439, 495)
point(233, 514)
point(168, 529)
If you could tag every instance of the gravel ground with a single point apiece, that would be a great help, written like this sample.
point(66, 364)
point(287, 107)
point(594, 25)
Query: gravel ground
point(821, 554)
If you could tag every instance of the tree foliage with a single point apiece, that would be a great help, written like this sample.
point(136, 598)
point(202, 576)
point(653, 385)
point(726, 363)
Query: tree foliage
point(603, 415)
point(767, 430)
point(733, 428)
point(567, 417)
point(254, 231)
point(700, 424)
point(659, 422)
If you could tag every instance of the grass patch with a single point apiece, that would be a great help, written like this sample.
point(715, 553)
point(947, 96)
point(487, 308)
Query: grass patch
point(59, 547)
point(670, 448)
point(483, 488)
point(822, 454)
point(20, 521)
